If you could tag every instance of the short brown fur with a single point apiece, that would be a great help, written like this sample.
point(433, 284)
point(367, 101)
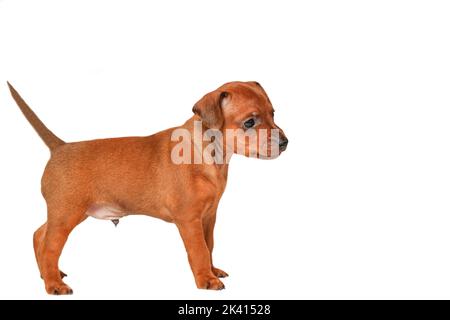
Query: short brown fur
point(135, 175)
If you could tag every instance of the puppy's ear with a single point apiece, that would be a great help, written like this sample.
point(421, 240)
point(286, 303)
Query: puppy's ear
point(209, 108)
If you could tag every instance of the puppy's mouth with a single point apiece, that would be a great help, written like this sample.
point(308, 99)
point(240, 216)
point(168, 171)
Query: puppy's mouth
point(270, 155)
point(263, 157)
point(272, 149)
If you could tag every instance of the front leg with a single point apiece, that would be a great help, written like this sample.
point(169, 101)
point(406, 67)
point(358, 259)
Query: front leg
point(199, 255)
point(208, 227)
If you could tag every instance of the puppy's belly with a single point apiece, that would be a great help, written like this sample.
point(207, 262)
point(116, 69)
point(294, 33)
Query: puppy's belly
point(105, 212)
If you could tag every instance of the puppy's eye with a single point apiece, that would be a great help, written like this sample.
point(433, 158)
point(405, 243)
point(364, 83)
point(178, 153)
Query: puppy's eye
point(249, 123)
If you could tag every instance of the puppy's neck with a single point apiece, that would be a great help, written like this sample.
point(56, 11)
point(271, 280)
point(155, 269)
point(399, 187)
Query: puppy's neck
point(200, 144)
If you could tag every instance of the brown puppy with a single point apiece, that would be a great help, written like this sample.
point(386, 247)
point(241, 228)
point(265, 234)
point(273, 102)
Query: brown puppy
point(111, 178)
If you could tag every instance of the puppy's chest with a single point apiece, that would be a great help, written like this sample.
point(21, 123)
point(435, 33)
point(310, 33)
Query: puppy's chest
point(217, 179)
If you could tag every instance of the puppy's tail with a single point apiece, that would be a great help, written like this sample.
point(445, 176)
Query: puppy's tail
point(46, 135)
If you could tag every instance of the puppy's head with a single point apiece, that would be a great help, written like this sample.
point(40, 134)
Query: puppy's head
point(242, 111)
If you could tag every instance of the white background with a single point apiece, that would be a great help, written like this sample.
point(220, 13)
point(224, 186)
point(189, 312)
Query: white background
point(358, 206)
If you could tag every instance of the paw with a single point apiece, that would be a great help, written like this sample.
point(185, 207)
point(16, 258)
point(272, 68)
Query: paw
point(219, 273)
point(58, 288)
point(209, 283)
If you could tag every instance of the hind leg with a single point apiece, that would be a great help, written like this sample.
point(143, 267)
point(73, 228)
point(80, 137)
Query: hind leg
point(38, 238)
point(57, 229)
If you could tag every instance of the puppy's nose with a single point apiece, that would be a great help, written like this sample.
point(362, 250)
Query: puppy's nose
point(283, 144)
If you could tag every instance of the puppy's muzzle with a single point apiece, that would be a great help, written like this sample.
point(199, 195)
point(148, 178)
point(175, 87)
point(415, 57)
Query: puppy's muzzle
point(283, 144)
